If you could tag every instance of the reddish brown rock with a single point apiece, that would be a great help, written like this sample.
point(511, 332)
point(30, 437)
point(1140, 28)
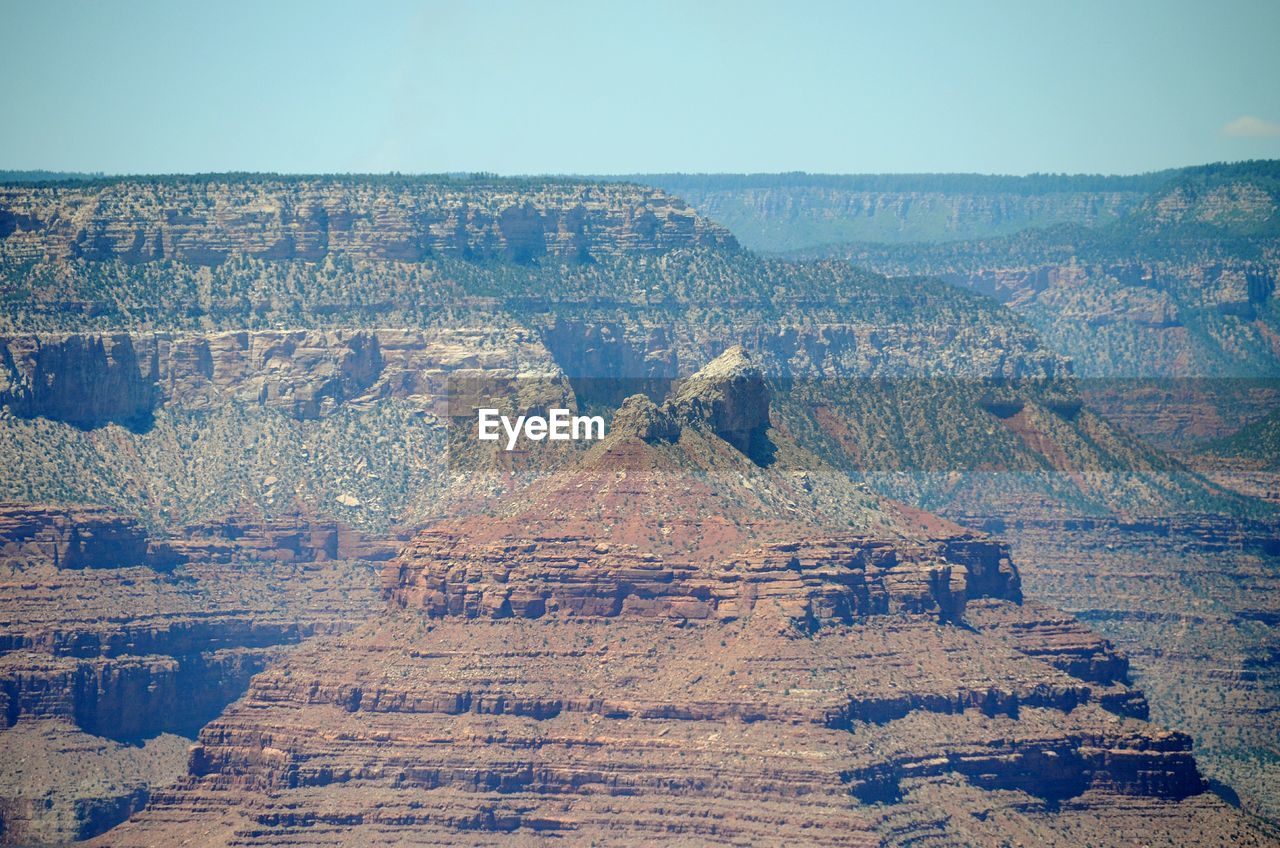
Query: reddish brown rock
point(84, 537)
point(645, 651)
point(109, 635)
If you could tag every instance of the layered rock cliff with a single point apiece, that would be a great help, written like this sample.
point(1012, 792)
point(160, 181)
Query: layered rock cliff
point(92, 380)
point(114, 643)
point(642, 650)
point(1180, 286)
point(270, 387)
point(206, 220)
point(780, 212)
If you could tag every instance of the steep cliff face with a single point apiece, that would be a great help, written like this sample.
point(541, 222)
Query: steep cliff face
point(588, 335)
point(113, 640)
point(204, 221)
point(58, 784)
point(82, 380)
point(93, 380)
point(88, 537)
point(1195, 603)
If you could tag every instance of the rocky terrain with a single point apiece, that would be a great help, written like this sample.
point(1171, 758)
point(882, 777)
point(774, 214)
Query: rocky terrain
point(223, 415)
point(1178, 293)
point(1194, 604)
point(1166, 280)
point(115, 644)
point(125, 378)
point(584, 668)
point(205, 221)
point(602, 329)
point(1167, 311)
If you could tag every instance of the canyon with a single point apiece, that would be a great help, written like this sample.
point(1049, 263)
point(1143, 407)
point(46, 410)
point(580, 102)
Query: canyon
point(799, 211)
point(585, 668)
point(116, 642)
point(237, 464)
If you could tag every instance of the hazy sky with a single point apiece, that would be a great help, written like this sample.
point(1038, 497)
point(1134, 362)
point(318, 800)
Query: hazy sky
point(600, 87)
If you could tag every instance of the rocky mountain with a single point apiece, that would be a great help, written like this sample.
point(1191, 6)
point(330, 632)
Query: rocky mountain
point(1163, 278)
point(647, 648)
point(169, 348)
point(205, 221)
point(1192, 600)
point(1167, 312)
point(231, 397)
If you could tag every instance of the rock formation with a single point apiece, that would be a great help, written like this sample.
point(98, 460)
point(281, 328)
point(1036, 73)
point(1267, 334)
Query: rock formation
point(205, 221)
point(264, 387)
point(91, 380)
point(644, 649)
point(111, 638)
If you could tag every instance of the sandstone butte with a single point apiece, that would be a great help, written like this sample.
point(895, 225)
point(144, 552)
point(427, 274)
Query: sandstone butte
point(683, 638)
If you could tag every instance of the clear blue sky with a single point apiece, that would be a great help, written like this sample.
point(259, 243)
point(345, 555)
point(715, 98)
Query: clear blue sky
point(601, 87)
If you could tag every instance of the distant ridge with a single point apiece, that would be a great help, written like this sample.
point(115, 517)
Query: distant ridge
point(946, 183)
point(395, 179)
point(951, 183)
point(47, 176)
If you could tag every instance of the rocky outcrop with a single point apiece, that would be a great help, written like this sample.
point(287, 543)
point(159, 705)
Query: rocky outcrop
point(35, 536)
point(1142, 764)
point(1170, 593)
point(82, 380)
point(382, 753)
point(730, 396)
point(132, 697)
point(832, 577)
point(59, 784)
point(828, 580)
point(573, 725)
point(289, 539)
point(641, 418)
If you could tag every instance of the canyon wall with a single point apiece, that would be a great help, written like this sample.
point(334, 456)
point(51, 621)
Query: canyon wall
point(204, 221)
point(92, 380)
point(714, 613)
point(116, 643)
point(782, 212)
